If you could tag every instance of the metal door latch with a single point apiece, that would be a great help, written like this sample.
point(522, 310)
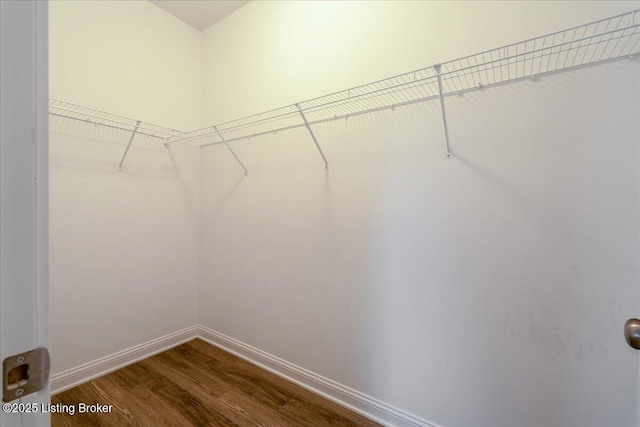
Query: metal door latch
point(25, 373)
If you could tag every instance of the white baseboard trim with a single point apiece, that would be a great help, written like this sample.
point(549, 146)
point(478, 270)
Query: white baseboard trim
point(354, 400)
point(83, 373)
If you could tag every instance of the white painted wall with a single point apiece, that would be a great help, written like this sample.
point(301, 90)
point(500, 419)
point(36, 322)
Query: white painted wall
point(487, 290)
point(131, 58)
point(124, 246)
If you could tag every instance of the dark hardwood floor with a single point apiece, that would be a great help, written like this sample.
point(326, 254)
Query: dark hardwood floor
point(196, 384)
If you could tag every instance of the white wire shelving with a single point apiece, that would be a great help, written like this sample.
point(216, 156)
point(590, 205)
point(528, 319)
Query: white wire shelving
point(605, 40)
point(68, 110)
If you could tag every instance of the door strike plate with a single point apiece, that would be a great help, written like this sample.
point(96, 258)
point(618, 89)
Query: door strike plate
point(25, 373)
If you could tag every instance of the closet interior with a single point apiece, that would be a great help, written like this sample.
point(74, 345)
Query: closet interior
point(454, 245)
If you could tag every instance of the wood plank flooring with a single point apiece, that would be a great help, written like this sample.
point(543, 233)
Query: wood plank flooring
point(197, 384)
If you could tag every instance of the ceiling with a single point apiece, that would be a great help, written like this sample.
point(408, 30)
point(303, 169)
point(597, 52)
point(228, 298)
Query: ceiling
point(200, 14)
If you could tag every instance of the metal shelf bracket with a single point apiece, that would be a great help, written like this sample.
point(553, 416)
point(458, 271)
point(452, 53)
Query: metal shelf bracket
point(246, 173)
point(306, 123)
point(603, 41)
point(438, 68)
point(124, 156)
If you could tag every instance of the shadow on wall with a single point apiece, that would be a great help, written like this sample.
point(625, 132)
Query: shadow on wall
point(124, 241)
point(510, 264)
point(98, 148)
point(186, 164)
point(491, 280)
point(90, 153)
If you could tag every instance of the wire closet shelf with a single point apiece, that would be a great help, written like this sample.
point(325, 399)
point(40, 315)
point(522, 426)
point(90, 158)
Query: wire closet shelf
point(600, 41)
point(68, 110)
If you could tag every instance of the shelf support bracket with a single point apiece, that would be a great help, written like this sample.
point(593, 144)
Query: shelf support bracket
point(246, 173)
point(438, 68)
point(306, 123)
point(124, 156)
